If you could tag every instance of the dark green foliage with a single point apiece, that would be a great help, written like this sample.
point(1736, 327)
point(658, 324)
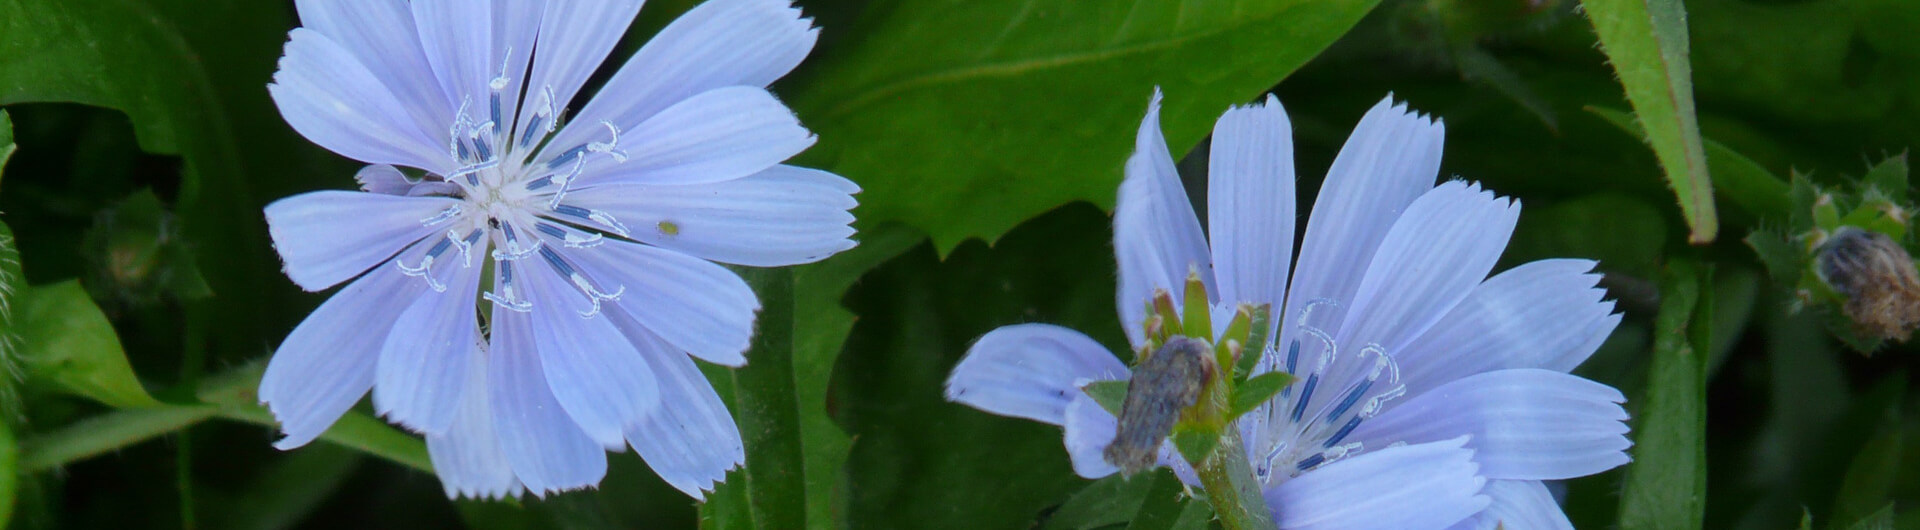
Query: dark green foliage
point(150, 295)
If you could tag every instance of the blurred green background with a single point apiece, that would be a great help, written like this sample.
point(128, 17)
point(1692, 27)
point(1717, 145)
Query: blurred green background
point(988, 136)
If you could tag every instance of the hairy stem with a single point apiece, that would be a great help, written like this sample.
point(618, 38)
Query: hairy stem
point(1228, 479)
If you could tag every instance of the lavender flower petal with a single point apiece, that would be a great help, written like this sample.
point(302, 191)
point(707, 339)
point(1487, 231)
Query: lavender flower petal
point(1031, 371)
point(1442, 246)
point(423, 365)
point(784, 215)
point(1250, 204)
point(719, 43)
point(543, 444)
point(1518, 504)
point(381, 34)
point(326, 94)
point(1546, 314)
point(593, 371)
point(327, 237)
point(1156, 238)
point(1429, 485)
point(692, 441)
point(698, 307)
point(326, 364)
point(468, 457)
point(1527, 424)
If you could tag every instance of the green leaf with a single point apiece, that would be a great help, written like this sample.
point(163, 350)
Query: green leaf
point(66, 341)
point(1194, 445)
point(1666, 485)
point(1738, 178)
point(920, 461)
point(1111, 395)
point(1646, 41)
point(6, 151)
point(1889, 177)
point(230, 395)
point(9, 472)
point(106, 432)
point(151, 60)
point(1881, 519)
point(963, 119)
point(1108, 501)
point(765, 404)
point(1870, 479)
point(1256, 390)
point(1161, 507)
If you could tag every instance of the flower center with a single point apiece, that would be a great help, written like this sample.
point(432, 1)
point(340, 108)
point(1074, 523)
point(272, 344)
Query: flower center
point(1308, 428)
point(513, 205)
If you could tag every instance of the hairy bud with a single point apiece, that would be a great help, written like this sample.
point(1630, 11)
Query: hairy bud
point(1877, 276)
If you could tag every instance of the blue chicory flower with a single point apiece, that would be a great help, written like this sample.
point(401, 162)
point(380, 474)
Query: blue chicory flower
point(595, 236)
point(1430, 396)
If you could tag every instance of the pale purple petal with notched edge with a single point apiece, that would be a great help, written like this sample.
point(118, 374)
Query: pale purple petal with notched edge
point(1030, 371)
point(1528, 424)
point(1156, 238)
point(575, 38)
point(456, 36)
point(383, 179)
point(327, 362)
point(700, 308)
point(1518, 505)
point(1088, 430)
point(327, 237)
point(1413, 487)
point(382, 35)
point(1441, 248)
point(1546, 314)
point(1250, 204)
point(692, 441)
point(545, 447)
point(719, 43)
point(333, 100)
point(782, 216)
point(468, 457)
point(717, 135)
point(1392, 158)
point(594, 372)
point(423, 365)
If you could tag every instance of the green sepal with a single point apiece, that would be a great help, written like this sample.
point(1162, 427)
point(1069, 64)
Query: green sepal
point(1197, 320)
point(1256, 341)
point(1195, 445)
point(1256, 390)
point(1109, 394)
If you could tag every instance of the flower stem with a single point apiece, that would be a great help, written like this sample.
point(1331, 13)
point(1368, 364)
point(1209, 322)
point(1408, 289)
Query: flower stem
point(1228, 479)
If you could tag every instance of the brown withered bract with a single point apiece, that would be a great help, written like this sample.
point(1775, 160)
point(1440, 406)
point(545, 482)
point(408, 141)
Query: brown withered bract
point(1877, 276)
point(1165, 383)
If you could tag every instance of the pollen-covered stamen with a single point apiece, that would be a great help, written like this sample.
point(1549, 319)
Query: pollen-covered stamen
point(611, 146)
point(565, 182)
point(604, 219)
point(506, 297)
point(571, 238)
point(425, 269)
point(513, 250)
point(465, 245)
point(449, 214)
point(579, 281)
point(543, 121)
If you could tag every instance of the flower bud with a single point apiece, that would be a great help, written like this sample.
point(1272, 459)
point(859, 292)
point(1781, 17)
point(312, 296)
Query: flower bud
point(1877, 278)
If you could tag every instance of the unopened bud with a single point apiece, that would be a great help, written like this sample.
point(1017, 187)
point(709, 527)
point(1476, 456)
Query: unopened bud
point(1878, 279)
point(1166, 383)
